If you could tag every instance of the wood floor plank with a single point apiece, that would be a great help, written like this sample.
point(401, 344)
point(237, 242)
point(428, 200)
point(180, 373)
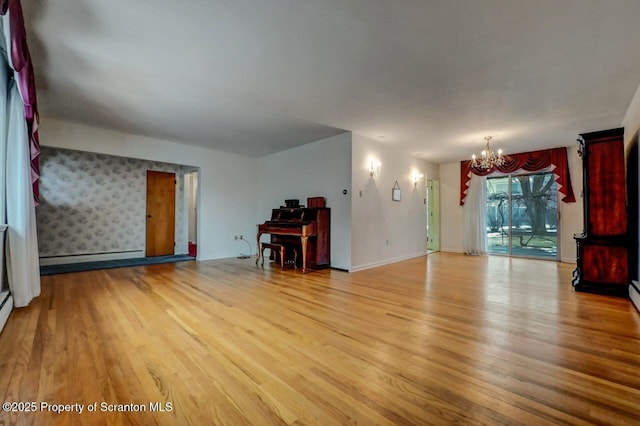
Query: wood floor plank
point(443, 339)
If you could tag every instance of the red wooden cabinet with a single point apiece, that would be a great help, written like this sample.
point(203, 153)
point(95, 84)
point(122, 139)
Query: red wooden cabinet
point(603, 246)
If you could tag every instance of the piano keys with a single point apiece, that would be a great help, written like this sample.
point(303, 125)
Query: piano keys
point(306, 230)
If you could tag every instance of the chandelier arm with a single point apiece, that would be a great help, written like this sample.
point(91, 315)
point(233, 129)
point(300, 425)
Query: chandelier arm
point(489, 158)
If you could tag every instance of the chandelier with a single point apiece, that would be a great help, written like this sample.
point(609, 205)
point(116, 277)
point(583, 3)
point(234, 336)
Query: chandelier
point(488, 158)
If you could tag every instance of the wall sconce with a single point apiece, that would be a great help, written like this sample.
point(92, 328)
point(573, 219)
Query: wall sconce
point(417, 178)
point(374, 168)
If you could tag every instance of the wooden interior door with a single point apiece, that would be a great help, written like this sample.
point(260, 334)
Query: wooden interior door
point(161, 213)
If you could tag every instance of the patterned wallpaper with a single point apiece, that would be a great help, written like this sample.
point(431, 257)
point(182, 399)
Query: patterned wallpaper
point(94, 203)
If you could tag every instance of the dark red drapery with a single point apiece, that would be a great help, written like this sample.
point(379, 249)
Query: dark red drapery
point(529, 161)
point(23, 73)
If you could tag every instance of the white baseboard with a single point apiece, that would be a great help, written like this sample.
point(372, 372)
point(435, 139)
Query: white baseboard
point(634, 294)
point(64, 260)
point(386, 261)
point(452, 250)
point(5, 310)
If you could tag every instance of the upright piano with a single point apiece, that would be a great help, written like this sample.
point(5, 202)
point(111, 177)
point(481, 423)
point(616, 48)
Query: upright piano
point(306, 230)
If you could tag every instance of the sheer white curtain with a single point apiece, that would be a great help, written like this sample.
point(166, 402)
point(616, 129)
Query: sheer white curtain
point(4, 78)
point(4, 95)
point(475, 216)
point(21, 248)
point(22, 242)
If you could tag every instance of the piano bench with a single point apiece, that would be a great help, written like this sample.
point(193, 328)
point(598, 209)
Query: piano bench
point(280, 249)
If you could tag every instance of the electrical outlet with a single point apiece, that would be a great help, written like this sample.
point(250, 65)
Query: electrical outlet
point(387, 242)
point(235, 237)
point(361, 192)
point(241, 237)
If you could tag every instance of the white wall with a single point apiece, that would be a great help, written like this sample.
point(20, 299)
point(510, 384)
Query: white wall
point(451, 223)
point(631, 121)
point(631, 124)
point(318, 169)
point(191, 196)
point(571, 214)
point(384, 231)
point(431, 171)
point(227, 196)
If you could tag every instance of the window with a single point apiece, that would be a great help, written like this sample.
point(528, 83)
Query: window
point(522, 215)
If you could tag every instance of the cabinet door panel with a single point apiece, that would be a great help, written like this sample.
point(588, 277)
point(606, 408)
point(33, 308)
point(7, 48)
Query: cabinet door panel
point(606, 189)
point(605, 264)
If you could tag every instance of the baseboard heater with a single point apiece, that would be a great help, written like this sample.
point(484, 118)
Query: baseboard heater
point(634, 293)
point(6, 301)
point(90, 257)
point(6, 305)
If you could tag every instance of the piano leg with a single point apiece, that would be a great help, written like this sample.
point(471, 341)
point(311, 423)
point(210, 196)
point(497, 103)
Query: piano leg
point(259, 254)
point(303, 241)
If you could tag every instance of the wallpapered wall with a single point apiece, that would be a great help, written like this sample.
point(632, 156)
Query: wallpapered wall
point(94, 203)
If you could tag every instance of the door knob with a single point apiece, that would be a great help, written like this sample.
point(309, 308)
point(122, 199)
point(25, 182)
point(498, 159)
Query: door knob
point(149, 216)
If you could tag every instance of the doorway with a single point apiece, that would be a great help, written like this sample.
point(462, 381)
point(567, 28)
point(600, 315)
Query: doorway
point(191, 207)
point(161, 213)
point(522, 215)
point(433, 215)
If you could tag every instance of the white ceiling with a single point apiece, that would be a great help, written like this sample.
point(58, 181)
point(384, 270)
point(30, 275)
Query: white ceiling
point(258, 76)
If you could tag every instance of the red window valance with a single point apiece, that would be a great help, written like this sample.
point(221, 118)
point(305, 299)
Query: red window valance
point(529, 161)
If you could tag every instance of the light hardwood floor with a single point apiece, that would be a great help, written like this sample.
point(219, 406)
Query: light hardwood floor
point(438, 340)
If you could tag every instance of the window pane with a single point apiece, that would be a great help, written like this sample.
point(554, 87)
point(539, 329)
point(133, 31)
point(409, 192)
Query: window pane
point(534, 216)
point(498, 215)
